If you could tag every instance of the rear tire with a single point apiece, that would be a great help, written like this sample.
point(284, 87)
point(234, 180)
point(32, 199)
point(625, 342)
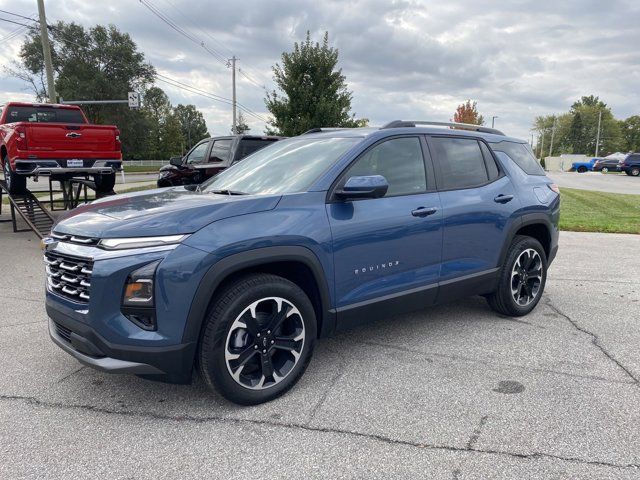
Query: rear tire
point(522, 278)
point(605, 170)
point(258, 339)
point(104, 183)
point(16, 184)
point(582, 169)
point(634, 172)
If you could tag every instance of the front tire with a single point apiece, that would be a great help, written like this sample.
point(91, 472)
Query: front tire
point(634, 172)
point(522, 278)
point(16, 184)
point(582, 169)
point(258, 339)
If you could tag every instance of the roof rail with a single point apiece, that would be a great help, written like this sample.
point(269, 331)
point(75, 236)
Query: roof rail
point(462, 126)
point(324, 129)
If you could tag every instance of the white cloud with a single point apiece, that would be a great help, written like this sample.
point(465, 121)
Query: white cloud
point(402, 59)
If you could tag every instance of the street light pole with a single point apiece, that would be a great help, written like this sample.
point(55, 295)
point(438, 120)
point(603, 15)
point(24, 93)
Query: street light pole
point(233, 79)
point(598, 134)
point(553, 134)
point(46, 51)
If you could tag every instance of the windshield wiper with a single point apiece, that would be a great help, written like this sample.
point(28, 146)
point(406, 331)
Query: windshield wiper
point(227, 192)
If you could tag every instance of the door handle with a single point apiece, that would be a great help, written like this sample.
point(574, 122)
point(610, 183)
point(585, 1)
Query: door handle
point(423, 211)
point(503, 198)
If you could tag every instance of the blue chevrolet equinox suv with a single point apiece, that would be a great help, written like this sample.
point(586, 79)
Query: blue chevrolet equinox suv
point(238, 277)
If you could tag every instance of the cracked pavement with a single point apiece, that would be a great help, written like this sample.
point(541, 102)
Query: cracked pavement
point(453, 392)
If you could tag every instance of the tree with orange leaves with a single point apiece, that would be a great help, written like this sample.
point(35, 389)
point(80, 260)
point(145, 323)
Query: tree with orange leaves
point(468, 113)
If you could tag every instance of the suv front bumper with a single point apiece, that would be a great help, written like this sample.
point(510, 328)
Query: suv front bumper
point(89, 348)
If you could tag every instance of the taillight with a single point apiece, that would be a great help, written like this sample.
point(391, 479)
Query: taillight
point(118, 142)
point(554, 187)
point(21, 140)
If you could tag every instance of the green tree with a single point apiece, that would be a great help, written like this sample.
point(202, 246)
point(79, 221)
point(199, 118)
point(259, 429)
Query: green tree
point(630, 129)
point(99, 63)
point(468, 113)
point(312, 90)
point(590, 108)
point(192, 125)
point(575, 138)
point(241, 125)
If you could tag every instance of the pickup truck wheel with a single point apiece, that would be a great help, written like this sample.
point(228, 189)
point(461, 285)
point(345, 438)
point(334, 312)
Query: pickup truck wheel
point(582, 169)
point(104, 183)
point(17, 184)
point(257, 339)
point(522, 278)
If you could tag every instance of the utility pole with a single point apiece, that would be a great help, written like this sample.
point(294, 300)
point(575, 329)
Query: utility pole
point(46, 51)
point(493, 120)
point(553, 134)
point(233, 79)
point(598, 134)
point(542, 146)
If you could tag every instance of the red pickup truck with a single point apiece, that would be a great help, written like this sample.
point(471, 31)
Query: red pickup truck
point(57, 140)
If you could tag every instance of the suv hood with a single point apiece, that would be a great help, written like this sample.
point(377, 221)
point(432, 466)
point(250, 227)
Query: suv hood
point(166, 211)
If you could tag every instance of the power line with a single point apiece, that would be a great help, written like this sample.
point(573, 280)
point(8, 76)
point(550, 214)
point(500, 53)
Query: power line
point(17, 23)
point(213, 96)
point(217, 55)
point(224, 46)
point(17, 15)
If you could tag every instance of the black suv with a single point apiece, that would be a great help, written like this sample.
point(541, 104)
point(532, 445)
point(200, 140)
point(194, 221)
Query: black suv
point(209, 157)
point(631, 165)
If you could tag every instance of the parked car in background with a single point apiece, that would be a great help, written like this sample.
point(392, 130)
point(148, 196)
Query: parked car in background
point(56, 140)
point(631, 165)
point(606, 165)
point(209, 157)
point(585, 166)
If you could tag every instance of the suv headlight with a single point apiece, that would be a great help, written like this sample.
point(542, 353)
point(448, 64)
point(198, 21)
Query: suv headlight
point(138, 303)
point(139, 242)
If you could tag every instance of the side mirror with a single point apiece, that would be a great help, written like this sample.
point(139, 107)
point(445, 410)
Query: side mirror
point(370, 186)
point(175, 161)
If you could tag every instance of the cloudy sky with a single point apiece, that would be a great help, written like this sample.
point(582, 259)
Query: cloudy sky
point(403, 59)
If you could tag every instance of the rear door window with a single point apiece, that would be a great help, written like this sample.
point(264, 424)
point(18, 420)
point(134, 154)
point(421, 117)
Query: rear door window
point(250, 145)
point(460, 162)
point(220, 150)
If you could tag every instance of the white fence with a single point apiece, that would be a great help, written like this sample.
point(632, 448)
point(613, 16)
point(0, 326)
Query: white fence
point(144, 163)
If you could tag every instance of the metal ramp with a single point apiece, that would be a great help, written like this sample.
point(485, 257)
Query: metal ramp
point(30, 209)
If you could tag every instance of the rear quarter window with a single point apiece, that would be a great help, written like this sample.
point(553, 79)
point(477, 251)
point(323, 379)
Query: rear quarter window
point(521, 155)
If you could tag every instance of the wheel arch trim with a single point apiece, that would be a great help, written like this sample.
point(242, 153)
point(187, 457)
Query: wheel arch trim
point(231, 264)
point(526, 220)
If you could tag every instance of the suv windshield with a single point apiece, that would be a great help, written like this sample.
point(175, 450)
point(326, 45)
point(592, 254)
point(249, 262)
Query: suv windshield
point(43, 115)
point(288, 166)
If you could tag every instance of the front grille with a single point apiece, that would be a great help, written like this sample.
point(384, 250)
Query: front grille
point(63, 237)
point(64, 332)
point(69, 277)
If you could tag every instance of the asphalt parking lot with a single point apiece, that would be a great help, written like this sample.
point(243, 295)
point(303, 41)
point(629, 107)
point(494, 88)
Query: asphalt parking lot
point(452, 392)
point(612, 182)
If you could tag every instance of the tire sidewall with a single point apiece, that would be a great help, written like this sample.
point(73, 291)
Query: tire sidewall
point(521, 244)
point(212, 360)
point(634, 172)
